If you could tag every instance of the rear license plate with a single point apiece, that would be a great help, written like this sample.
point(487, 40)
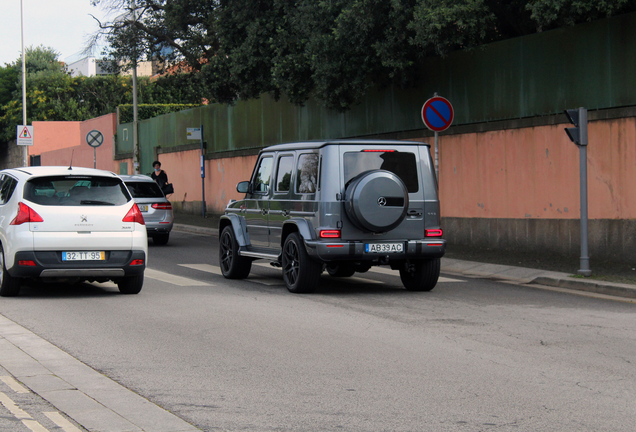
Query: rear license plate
point(84, 256)
point(143, 208)
point(384, 247)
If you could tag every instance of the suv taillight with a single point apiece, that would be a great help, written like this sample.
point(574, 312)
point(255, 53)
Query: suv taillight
point(329, 233)
point(162, 206)
point(26, 214)
point(433, 233)
point(134, 215)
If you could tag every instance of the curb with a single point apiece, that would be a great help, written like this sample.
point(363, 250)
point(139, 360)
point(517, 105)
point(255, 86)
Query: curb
point(522, 275)
point(528, 276)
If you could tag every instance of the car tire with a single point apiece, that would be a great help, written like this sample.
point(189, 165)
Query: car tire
point(341, 269)
point(161, 239)
point(9, 285)
point(131, 284)
point(233, 266)
point(376, 201)
point(300, 272)
point(420, 275)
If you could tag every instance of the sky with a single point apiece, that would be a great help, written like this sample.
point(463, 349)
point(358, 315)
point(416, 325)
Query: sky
point(63, 25)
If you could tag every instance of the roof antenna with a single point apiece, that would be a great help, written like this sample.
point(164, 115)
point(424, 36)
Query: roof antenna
point(70, 167)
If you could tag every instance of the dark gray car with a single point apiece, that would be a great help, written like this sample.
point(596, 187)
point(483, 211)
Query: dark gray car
point(341, 206)
point(154, 206)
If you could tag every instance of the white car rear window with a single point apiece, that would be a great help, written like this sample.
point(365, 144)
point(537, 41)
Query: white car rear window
point(76, 191)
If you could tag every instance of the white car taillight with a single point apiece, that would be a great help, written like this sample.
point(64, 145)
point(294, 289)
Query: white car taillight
point(26, 214)
point(134, 215)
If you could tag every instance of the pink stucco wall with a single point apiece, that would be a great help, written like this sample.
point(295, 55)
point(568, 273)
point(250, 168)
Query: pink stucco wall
point(510, 174)
point(54, 135)
point(534, 173)
point(221, 176)
point(57, 142)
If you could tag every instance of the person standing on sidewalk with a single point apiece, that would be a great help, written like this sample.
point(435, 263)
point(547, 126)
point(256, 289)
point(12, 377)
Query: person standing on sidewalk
point(159, 175)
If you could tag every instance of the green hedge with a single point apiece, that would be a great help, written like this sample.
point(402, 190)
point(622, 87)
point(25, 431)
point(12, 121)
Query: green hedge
point(146, 111)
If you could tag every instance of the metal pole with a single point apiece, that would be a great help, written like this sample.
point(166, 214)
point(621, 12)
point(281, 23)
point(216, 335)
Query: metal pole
point(94, 157)
point(134, 90)
point(25, 152)
point(437, 155)
point(202, 175)
point(585, 259)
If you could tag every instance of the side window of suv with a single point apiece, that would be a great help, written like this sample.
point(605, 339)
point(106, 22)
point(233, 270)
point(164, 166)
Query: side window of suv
point(7, 187)
point(263, 174)
point(283, 173)
point(307, 173)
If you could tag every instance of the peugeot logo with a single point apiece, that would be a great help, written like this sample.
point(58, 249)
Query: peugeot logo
point(382, 201)
point(83, 218)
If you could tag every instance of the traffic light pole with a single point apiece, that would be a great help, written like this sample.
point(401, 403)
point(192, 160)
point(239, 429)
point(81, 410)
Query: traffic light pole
point(578, 135)
point(585, 259)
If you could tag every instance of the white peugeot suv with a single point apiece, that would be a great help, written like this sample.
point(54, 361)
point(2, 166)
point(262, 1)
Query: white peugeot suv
point(69, 224)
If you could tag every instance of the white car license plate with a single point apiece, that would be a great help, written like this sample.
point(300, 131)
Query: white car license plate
point(84, 256)
point(142, 208)
point(384, 247)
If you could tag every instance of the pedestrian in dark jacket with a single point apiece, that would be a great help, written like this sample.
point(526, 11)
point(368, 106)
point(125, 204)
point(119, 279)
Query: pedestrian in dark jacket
point(159, 175)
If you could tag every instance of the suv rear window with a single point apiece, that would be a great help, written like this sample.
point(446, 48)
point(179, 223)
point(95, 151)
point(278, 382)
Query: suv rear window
point(144, 189)
point(76, 190)
point(402, 164)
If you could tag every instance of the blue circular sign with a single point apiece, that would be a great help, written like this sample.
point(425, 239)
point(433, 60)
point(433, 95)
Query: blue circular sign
point(437, 114)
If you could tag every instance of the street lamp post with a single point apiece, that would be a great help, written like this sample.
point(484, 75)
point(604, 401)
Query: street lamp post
point(25, 153)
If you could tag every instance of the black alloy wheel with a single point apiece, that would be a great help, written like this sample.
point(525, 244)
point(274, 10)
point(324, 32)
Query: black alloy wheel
point(233, 266)
point(300, 272)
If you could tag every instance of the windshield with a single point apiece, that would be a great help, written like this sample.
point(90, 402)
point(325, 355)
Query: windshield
point(76, 190)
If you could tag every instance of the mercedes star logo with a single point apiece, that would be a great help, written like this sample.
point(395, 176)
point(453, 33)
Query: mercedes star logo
point(382, 201)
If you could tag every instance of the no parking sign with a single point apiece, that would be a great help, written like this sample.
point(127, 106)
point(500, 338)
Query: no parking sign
point(437, 114)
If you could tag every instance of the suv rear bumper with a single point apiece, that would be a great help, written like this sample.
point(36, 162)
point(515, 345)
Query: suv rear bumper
point(414, 249)
point(50, 264)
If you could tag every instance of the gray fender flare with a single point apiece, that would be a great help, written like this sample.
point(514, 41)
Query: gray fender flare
point(300, 225)
point(239, 227)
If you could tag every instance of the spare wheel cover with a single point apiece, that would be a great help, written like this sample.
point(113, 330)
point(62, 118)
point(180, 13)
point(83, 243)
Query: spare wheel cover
point(376, 201)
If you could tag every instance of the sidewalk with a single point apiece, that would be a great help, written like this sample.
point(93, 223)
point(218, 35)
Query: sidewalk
point(497, 269)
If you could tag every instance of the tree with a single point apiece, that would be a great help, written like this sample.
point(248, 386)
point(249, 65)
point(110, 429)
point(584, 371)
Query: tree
point(53, 94)
point(333, 50)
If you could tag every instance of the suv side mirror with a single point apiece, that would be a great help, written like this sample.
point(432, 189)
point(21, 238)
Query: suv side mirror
point(243, 187)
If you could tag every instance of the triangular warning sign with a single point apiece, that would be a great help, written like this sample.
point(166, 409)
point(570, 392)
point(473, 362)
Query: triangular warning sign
point(25, 133)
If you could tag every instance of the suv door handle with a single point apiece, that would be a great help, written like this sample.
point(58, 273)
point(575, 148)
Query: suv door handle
point(414, 213)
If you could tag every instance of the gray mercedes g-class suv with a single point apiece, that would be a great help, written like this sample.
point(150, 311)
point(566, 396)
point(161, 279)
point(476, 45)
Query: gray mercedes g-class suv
point(343, 206)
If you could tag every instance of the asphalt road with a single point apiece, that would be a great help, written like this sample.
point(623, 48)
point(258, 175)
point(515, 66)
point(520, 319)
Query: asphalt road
point(361, 354)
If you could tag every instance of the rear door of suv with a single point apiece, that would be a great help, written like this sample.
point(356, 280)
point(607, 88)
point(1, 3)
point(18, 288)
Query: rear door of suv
point(404, 161)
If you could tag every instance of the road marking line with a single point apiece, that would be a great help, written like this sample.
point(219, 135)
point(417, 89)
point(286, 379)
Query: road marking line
point(381, 270)
point(268, 282)
point(34, 426)
point(173, 279)
point(217, 270)
point(204, 267)
point(396, 273)
point(59, 420)
point(352, 279)
point(13, 408)
point(13, 384)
